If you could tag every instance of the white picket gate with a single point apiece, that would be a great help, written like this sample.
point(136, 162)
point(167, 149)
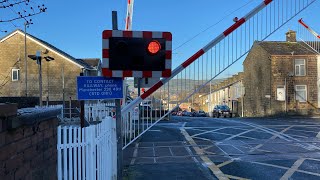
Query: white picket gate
point(97, 111)
point(87, 153)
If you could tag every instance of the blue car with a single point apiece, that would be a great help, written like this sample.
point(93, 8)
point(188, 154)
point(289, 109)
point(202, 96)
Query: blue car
point(221, 110)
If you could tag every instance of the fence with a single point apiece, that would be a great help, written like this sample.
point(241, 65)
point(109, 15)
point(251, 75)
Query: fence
point(87, 153)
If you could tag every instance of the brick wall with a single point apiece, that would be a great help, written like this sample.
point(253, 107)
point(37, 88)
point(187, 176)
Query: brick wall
point(257, 82)
point(12, 56)
point(29, 152)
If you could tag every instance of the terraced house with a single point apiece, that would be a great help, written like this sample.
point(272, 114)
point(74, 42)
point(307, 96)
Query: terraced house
point(281, 77)
point(19, 74)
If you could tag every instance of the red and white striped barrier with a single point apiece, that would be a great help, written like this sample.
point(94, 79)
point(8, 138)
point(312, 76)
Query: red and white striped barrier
point(129, 15)
point(308, 28)
point(196, 56)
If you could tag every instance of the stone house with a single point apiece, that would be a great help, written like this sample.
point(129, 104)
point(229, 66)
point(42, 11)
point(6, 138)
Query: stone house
point(281, 77)
point(19, 75)
point(227, 92)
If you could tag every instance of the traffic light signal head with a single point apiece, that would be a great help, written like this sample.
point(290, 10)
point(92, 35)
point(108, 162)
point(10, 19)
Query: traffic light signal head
point(136, 54)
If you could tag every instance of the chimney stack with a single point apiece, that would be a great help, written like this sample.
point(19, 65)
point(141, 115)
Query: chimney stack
point(291, 36)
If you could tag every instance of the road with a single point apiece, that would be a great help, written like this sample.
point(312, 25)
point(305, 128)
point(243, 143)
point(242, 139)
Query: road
point(227, 148)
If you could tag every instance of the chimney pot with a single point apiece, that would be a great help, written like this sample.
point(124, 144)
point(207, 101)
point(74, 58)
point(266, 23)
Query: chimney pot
point(291, 36)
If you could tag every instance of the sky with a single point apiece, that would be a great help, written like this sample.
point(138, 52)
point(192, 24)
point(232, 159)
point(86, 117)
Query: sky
point(76, 26)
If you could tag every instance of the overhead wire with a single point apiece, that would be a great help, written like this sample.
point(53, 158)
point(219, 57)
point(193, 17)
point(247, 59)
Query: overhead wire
point(206, 29)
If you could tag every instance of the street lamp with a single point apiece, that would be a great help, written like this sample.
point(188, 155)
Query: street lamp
point(38, 59)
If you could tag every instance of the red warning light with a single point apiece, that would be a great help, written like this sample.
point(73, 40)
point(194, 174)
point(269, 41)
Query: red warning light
point(154, 47)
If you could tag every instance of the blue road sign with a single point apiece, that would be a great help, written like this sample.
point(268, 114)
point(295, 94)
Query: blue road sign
point(97, 87)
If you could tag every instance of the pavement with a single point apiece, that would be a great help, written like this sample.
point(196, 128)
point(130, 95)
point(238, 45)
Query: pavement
point(226, 148)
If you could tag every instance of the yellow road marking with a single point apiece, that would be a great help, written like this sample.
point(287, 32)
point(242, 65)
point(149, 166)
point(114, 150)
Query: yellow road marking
point(216, 171)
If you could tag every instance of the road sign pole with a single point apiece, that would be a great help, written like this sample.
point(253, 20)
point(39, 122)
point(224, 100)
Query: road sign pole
point(81, 110)
point(118, 114)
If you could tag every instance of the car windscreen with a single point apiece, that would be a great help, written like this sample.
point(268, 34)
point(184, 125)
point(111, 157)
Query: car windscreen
point(224, 107)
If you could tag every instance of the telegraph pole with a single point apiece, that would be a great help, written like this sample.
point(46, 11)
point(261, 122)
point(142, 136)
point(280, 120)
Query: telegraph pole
point(25, 57)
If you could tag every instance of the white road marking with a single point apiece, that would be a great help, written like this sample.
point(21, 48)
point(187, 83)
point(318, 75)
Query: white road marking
point(207, 132)
point(273, 137)
point(270, 165)
point(154, 154)
point(307, 172)
point(236, 177)
point(312, 159)
point(281, 167)
point(154, 130)
point(293, 169)
point(284, 125)
point(237, 135)
point(205, 139)
point(224, 163)
point(184, 124)
point(232, 135)
point(135, 154)
point(318, 135)
point(171, 151)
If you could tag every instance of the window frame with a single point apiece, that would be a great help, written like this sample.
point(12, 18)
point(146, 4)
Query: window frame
point(306, 92)
point(281, 88)
point(15, 70)
point(299, 65)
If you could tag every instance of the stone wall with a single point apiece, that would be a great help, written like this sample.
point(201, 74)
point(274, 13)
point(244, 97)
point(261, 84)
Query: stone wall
point(283, 68)
point(22, 102)
point(263, 73)
point(257, 70)
point(28, 151)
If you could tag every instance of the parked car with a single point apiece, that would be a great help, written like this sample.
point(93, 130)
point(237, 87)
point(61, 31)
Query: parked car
point(200, 113)
point(179, 113)
point(187, 113)
point(221, 110)
point(135, 114)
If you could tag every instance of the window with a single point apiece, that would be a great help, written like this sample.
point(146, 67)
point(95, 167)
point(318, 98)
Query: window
point(301, 93)
point(300, 67)
point(15, 74)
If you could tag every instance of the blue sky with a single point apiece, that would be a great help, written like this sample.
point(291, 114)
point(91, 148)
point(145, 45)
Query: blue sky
point(76, 26)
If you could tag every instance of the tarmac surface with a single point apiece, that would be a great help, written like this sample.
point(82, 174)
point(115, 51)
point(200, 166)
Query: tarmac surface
point(226, 148)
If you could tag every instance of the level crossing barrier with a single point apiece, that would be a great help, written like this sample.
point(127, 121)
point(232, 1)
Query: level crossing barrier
point(196, 76)
point(310, 37)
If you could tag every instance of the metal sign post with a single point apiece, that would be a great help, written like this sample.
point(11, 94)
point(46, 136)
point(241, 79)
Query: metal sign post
point(118, 114)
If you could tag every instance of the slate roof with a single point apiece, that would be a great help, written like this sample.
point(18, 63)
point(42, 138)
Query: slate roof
point(286, 48)
point(81, 62)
